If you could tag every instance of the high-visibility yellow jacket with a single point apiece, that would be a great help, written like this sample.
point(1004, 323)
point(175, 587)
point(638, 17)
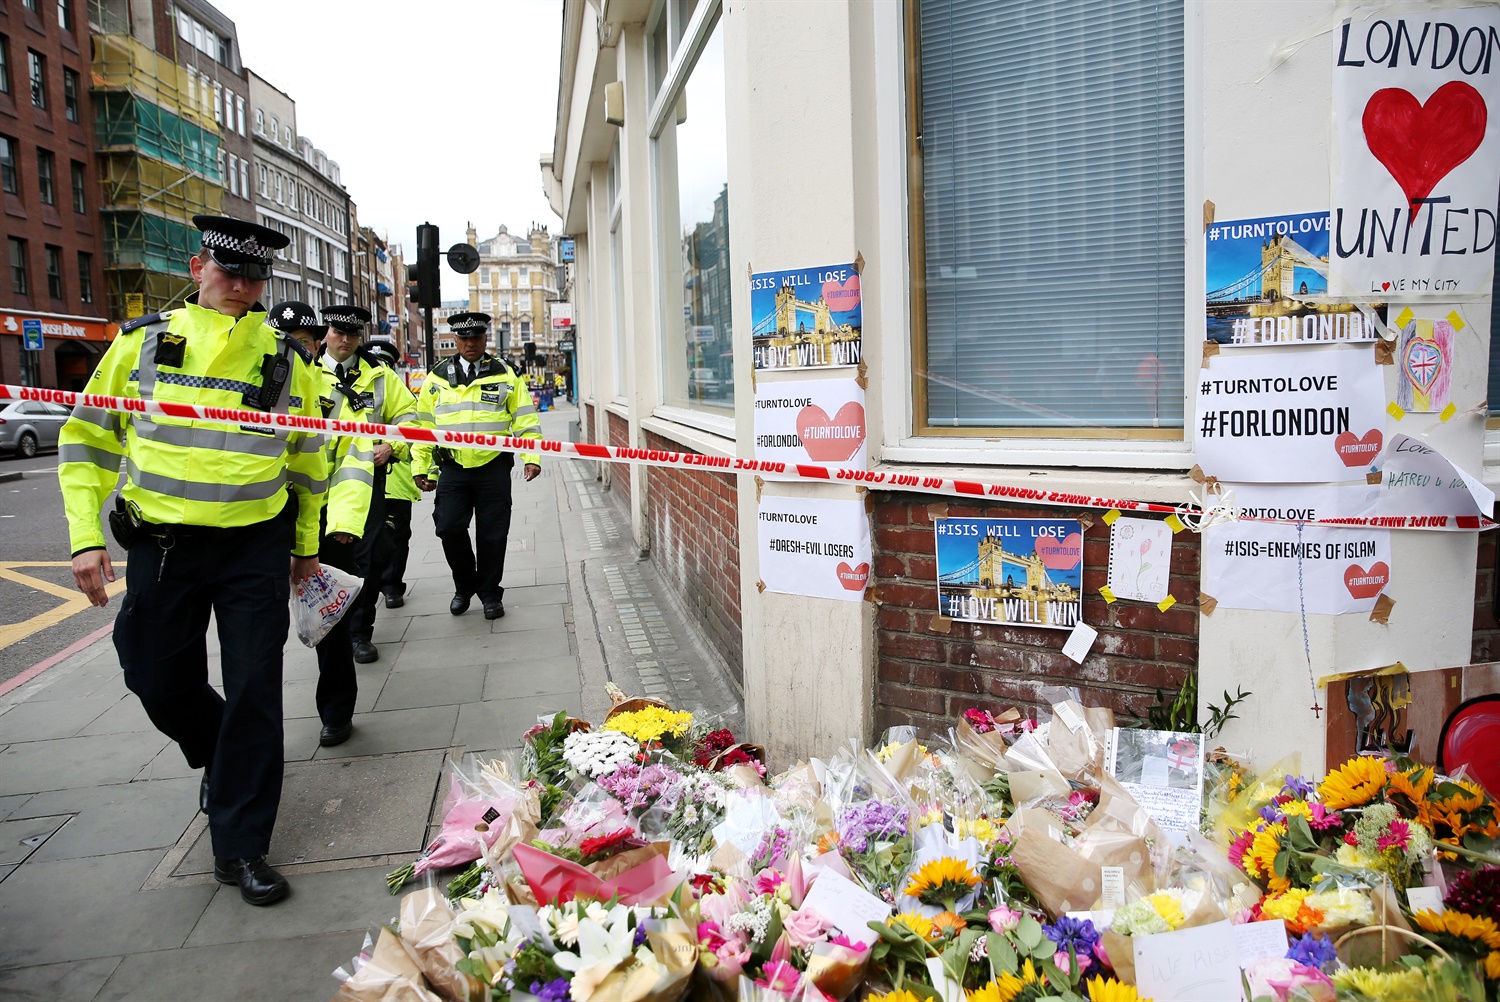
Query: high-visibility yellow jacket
point(370, 392)
point(495, 403)
point(182, 471)
point(398, 482)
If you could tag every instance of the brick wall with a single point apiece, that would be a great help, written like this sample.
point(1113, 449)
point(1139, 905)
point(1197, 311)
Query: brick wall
point(692, 518)
point(1486, 625)
point(588, 422)
point(925, 677)
point(619, 436)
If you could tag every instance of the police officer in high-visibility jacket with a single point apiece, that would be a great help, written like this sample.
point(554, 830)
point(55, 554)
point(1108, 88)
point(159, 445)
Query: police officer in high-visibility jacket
point(213, 514)
point(474, 391)
point(400, 494)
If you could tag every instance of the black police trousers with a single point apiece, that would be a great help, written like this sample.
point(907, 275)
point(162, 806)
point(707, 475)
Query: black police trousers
point(172, 584)
point(398, 521)
point(482, 493)
point(374, 555)
point(338, 685)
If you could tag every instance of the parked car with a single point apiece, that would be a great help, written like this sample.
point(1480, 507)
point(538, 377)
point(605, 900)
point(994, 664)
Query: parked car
point(29, 425)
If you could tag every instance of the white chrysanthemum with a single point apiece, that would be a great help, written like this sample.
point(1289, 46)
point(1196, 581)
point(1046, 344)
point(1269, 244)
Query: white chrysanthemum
point(594, 753)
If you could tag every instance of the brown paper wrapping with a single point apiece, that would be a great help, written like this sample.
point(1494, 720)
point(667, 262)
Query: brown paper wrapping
point(1080, 755)
point(835, 976)
point(989, 748)
point(391, 975)
point(427, 929)
point(728, 860)
point(633, 981)
point(1121, 950)
point(904, 762)
point(1062, 879)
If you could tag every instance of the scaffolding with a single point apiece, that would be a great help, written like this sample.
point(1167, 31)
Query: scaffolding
point(158, 153)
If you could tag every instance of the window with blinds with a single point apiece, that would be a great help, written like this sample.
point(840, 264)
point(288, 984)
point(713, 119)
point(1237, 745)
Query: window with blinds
point(1048, 216)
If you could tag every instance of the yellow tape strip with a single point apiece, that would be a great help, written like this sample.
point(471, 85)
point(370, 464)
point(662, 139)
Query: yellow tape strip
point(1109, 596)
point(1395, 410)
point(1108, 518)
point(1166, 603)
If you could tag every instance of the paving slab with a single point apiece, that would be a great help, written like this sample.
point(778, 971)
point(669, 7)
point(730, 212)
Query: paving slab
point(85, 680)
point(124, 716)
point(540, 677)
point(19, 838)
point(343, 809)
point(299, 696)
point(300, 738)
point(11, 804)
point(443, 626)
point(77, 981)
point(528, 617)
point(496, 722)
point(448, 685)
point(166, 764)
point(66, 763)
point(75, 909)
point(482, 650)
point(391, 731)
point(331, 901)
point(53, 718)
point(287, 970)
point(124, 817)
point(556, 594)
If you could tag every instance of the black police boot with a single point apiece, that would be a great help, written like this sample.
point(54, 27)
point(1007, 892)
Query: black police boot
point(494, 610)
point(365, 652)
point(335, 734)
point(259, 883)
point(460, 604)
point(394, 601)
point(203, 794)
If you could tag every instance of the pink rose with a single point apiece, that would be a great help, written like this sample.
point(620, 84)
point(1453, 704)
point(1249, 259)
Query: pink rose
point(805, 927)
point(1002, 919)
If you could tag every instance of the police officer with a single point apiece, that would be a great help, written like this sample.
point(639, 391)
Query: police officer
point(210, 528)
point(400, 493)
point(366, 389)
point(474, 391)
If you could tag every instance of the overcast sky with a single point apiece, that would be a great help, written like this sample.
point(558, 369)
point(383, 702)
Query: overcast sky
point(436, 111)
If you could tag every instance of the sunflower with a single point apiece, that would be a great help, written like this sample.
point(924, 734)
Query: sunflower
point(1471, 798)
point(1029, 976)
point(1103, 989)
point(947, 923)
point(914, 922)
point(1353, 784)
point(1460, 925)
point(1003, 989)
point(942, 881)
point(1412, 784)
point(901, 995)
point(1262, 855)
point(1492, 965)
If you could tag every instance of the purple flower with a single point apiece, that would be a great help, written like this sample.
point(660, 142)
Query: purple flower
point(553, 991)
point(1297, 788)
point(640, 936)
point(1270, 813)
point(857, 825)
point(1079, 934)
point(1312, 949)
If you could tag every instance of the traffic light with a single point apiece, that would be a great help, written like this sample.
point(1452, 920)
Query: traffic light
point(429, 278)
point(530, 353)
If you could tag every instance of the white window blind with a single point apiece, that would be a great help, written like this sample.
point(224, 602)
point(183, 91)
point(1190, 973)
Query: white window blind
point(1052, 143)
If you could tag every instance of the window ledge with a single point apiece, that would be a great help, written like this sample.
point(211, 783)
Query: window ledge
point(1159, 487)
point(619, 408)
point(707, 443)
point(1139, 454)
point(716, 425)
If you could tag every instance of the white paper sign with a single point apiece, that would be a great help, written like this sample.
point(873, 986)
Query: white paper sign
point(1260, 941)
point(1163, 770)
point(1419, 480)
point(1425, 899)
point(1140, 559)
point(1201, 963)
point(1271, 567)
point(1310, 416)
point(849, 907)
point(1417, 155)
point(1079, 641)
point(811, 421)
point(818, 547)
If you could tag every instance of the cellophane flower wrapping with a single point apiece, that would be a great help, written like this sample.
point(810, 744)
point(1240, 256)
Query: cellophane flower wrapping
point(387, 972)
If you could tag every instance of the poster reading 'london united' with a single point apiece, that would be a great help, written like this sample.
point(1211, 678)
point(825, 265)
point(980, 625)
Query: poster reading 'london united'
point(1014, 571)
point(807, 319)
point(1267, 279)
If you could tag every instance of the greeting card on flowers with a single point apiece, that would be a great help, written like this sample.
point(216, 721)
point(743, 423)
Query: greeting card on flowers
point(1163, 770)
point(849, 907)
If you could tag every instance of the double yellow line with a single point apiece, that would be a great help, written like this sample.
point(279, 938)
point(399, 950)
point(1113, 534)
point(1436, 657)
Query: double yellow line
point(74, 601)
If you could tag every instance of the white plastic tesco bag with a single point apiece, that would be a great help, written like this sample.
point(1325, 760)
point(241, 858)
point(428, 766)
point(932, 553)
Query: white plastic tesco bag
point(321, 601)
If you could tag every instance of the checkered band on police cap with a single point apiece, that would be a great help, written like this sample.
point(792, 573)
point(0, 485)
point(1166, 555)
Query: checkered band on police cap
point(292, 315)
point(250, 240)
point(469, 323)
point(345, 317)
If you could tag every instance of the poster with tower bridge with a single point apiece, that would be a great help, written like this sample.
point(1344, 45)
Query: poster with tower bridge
point(1267, 283)
point(1011, 571)
point(808, 318)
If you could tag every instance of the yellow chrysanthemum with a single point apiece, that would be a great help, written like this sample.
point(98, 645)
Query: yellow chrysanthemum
point(983, 829)
point(1002, 989)
point(1300, 808)
point(1103, 989)
point(1492, 965)
point(942, 880)
point(1480, 929)
point(1412, 784)
point(1379, 984)
point(1353, 784)
point(651, 723)
point(916, 923)
point(1169, 907)
point(947, 922)
point(902, 995)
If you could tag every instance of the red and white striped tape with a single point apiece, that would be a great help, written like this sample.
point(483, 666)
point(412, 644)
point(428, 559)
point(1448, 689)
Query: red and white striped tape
point(801, 472)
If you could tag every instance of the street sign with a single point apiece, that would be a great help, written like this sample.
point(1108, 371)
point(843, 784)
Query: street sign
point(703, 333)
point(566, 249)
point(567, 345)
point(31, 332)
point(562, 316)
point(135, 305)
point(463, 258)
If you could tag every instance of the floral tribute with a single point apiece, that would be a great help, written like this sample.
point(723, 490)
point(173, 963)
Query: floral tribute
point(654, 859)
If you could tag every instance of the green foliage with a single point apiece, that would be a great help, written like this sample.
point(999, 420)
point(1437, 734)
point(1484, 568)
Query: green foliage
point(1181, 714)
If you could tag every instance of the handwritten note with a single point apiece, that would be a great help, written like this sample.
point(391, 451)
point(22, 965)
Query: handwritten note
point(1201, 963)
point(1260, 941)
point(848, 906)
point(1079, 641)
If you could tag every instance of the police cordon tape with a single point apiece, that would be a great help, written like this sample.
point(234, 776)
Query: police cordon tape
point(794, 472)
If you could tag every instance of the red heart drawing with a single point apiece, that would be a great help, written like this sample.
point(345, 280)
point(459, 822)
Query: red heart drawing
point(1366, 583)
point(1421, 143)
point(1060, 554)
point(835, 439)
point(1359, 451)
point(853, 578)
point(842, 296)
point(1385, 286)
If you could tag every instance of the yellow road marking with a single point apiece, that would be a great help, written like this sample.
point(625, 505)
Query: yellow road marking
point(74, 602)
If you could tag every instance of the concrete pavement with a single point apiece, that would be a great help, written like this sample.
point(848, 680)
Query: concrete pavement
point(106, 890)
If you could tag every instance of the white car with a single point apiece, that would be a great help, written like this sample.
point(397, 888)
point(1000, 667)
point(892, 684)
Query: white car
point(27, 426)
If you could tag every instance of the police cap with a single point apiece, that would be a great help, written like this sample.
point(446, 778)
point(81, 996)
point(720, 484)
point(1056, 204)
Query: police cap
point(293, 315)
point(240, 247)
point(346, 319)
point(469, 324)
point(385, 351)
